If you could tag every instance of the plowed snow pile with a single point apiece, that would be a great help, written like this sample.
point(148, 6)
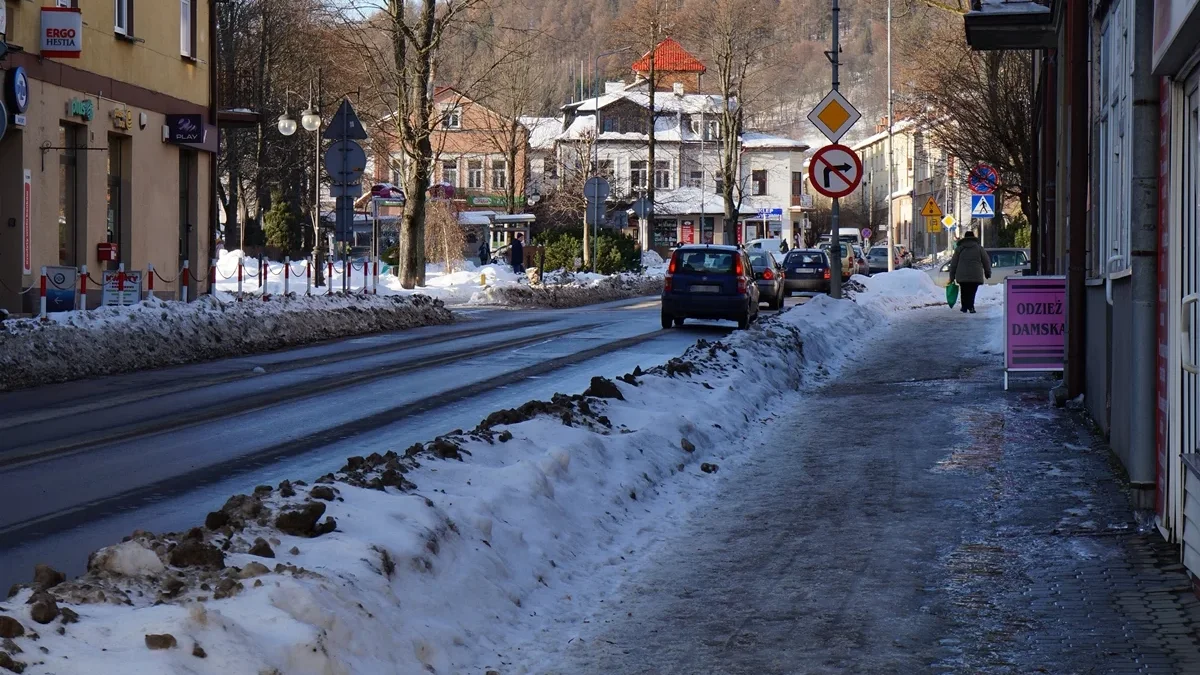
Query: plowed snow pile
point(153, 334)
point(431, 559)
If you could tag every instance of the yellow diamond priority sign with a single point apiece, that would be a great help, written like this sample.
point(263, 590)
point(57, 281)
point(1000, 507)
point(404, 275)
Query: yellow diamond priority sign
point(834, 116)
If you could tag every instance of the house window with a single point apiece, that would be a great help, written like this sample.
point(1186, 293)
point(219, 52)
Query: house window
point(695, 127)
point(499, 174)
point(637, 175)
point(662, 175)
point(450, 172)
point(759, 177)
point(187, 28)
point(696, 179)
point(714, 130)
point(1113, 236)
point(123, 17)
point(607, 169)
point(475, 174)
point(609, 124)
point(453, 118)
point(550, 167)
point(797, 183)
point(720, 185)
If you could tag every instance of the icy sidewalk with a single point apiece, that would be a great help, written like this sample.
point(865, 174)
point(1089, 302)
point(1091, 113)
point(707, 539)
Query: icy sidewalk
point(434, 558)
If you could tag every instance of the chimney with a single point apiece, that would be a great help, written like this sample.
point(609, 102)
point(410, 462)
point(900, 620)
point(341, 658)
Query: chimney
point(678, 88)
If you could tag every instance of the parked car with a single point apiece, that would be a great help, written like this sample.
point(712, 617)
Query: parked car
point(770, 245)
point(860, 261)
point(709, 282)
point(849, 263)
point(877, 259)
point(1006, 262)
point(769, 277)
point(806, 270)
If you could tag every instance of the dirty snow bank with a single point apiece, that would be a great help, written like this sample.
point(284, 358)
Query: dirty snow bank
point(434, 559)
point(153, 334)
point(899, 290)
point(570, 290)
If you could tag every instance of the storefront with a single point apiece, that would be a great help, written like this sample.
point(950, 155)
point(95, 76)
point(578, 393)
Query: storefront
point(1176, 59)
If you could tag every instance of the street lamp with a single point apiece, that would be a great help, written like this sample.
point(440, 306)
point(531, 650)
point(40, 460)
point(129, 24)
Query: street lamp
point(287, 125)
point(310, 119)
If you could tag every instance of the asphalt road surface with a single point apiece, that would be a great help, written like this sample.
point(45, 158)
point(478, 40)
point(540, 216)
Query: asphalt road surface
point(84, 464)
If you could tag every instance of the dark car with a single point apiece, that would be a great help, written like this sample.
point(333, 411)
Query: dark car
point(806, 270)
point(709, 282)
point(769, 277)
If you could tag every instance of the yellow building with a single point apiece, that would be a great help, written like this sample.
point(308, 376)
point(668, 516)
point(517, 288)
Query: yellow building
point(110, 143)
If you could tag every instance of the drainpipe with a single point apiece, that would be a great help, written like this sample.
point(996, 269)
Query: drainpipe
point(1078, 139)
point(213, 175)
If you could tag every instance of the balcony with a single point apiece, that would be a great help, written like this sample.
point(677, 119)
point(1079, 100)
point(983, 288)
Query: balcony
point(1010, 24)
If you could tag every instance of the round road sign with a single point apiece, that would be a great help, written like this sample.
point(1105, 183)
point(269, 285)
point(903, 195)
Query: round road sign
point(835, 171)
point(983, 179)
point(866, 233)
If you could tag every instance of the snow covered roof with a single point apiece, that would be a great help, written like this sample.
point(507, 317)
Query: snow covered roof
point(666, 102)
point(542, 131)
point(900, 127)
point(669, 57)
point(752, 140)
point(693, 200)
point(475, 218)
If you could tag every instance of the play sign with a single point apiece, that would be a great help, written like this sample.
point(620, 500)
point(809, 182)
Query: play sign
point(835, 171)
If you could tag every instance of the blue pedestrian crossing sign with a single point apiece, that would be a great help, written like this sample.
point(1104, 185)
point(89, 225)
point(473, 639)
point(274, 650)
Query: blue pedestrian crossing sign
point(983, 206)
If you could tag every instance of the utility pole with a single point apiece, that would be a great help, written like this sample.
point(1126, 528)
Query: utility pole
point(891, 151)
point(835, 242)
point(318, 256)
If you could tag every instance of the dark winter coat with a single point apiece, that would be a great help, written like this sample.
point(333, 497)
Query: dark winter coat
point(518, 255)
point(485, 252)
point(971, 264)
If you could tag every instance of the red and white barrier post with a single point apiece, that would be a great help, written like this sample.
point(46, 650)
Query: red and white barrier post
point(42, 302)
point(329, 279)
point(375, 277)
point(239, 273)
point(308, 276)
point(149, 279)
point(366, 283)
point(262, 277)
point(83, 287)
point(121, 285)
point(287, 275)
point(183, 282)
point(212, 277)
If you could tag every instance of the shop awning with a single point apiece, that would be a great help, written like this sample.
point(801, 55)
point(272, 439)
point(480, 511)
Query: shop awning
point(1010, 24)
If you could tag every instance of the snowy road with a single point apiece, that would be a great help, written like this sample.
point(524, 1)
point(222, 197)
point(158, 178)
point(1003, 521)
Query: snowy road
point(83, 464)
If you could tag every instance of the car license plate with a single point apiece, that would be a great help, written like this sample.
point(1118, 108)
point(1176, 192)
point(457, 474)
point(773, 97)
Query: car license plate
point(701, 288)
point(805, 270)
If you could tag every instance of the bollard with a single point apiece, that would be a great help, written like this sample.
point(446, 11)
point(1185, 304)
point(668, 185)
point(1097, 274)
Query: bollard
point(287, 275)
point(121, 285)
point(262, 277)
point(482, 279)
point(308, 276)
point(43, 300)
point(149, 279)
point(239, 273)
point(375, 277)
point(366, 283)
point(212, 277)
point(183, 281)
point(329, 279)
point(83, 287)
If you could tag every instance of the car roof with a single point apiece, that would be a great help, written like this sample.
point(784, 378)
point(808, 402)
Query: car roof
point(708, 247)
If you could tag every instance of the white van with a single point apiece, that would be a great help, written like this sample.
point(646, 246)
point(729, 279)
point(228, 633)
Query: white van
point(846, 234)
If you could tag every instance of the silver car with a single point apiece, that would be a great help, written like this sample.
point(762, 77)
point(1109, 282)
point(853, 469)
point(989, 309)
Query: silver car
point(1006, 262)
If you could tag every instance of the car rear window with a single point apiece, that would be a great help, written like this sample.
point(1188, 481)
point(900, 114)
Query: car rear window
point(806, 259)
point(704, 262)
point(879, 250)
point(1008, 258)
point(762, 260)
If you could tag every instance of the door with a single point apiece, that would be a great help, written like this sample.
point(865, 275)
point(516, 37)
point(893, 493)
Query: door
point(1185, 405)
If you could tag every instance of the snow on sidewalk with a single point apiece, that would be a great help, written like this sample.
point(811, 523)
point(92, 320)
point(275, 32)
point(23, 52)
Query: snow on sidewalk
point(154, 334)
point(426, 560)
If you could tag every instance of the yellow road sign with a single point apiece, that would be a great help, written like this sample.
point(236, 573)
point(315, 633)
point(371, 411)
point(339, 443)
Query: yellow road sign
point(949, 220)
point(931, 210)
point(933, 225)
point(834, 116)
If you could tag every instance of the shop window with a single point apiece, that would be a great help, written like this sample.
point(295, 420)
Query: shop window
point(70, 168)
point(666, 233)
point(707, 229)
point(117, 197)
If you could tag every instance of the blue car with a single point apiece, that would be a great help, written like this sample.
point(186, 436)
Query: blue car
point(709, 282)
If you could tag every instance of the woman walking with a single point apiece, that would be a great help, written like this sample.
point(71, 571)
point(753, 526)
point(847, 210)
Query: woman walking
point(970, 267)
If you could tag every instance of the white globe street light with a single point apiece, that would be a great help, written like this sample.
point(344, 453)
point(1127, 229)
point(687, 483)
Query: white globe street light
point(310, 119)
point(287, 125)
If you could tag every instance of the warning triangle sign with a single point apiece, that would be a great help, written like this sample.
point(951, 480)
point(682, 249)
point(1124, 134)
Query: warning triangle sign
point(345, 124)
point(931, 209)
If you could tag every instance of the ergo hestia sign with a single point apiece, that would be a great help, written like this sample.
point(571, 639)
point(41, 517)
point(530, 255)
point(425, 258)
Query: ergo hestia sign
point(62, 32)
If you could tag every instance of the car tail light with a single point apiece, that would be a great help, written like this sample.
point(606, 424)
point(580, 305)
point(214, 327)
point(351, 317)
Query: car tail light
point(768, 275)
point(826, 273)
point(740, 271)
point(670, 274)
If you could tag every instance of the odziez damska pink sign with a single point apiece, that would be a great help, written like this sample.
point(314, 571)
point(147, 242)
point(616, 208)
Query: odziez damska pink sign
point(1035, 316)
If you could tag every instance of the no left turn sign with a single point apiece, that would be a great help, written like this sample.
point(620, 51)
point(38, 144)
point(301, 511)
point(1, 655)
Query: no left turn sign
point(835, 171)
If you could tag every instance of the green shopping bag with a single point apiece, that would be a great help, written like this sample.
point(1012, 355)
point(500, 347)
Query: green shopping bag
point(951, 294)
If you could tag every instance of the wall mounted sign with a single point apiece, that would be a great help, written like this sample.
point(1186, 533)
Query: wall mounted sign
point(122, 118)
point(26, 223)
point(62, 32)
point(185, 129)
point(17, 90)
point(81, 107)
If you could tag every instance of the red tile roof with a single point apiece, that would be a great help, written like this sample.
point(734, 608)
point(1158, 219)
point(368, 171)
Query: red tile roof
point(669, 57)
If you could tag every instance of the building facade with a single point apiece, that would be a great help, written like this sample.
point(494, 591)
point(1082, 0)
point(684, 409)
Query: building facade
point(109, 150)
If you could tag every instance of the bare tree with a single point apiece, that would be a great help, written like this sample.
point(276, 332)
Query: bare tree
point(444, 240)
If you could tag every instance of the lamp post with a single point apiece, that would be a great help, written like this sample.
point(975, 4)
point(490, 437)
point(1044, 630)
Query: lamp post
point(596, 144)
point(891, 152)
